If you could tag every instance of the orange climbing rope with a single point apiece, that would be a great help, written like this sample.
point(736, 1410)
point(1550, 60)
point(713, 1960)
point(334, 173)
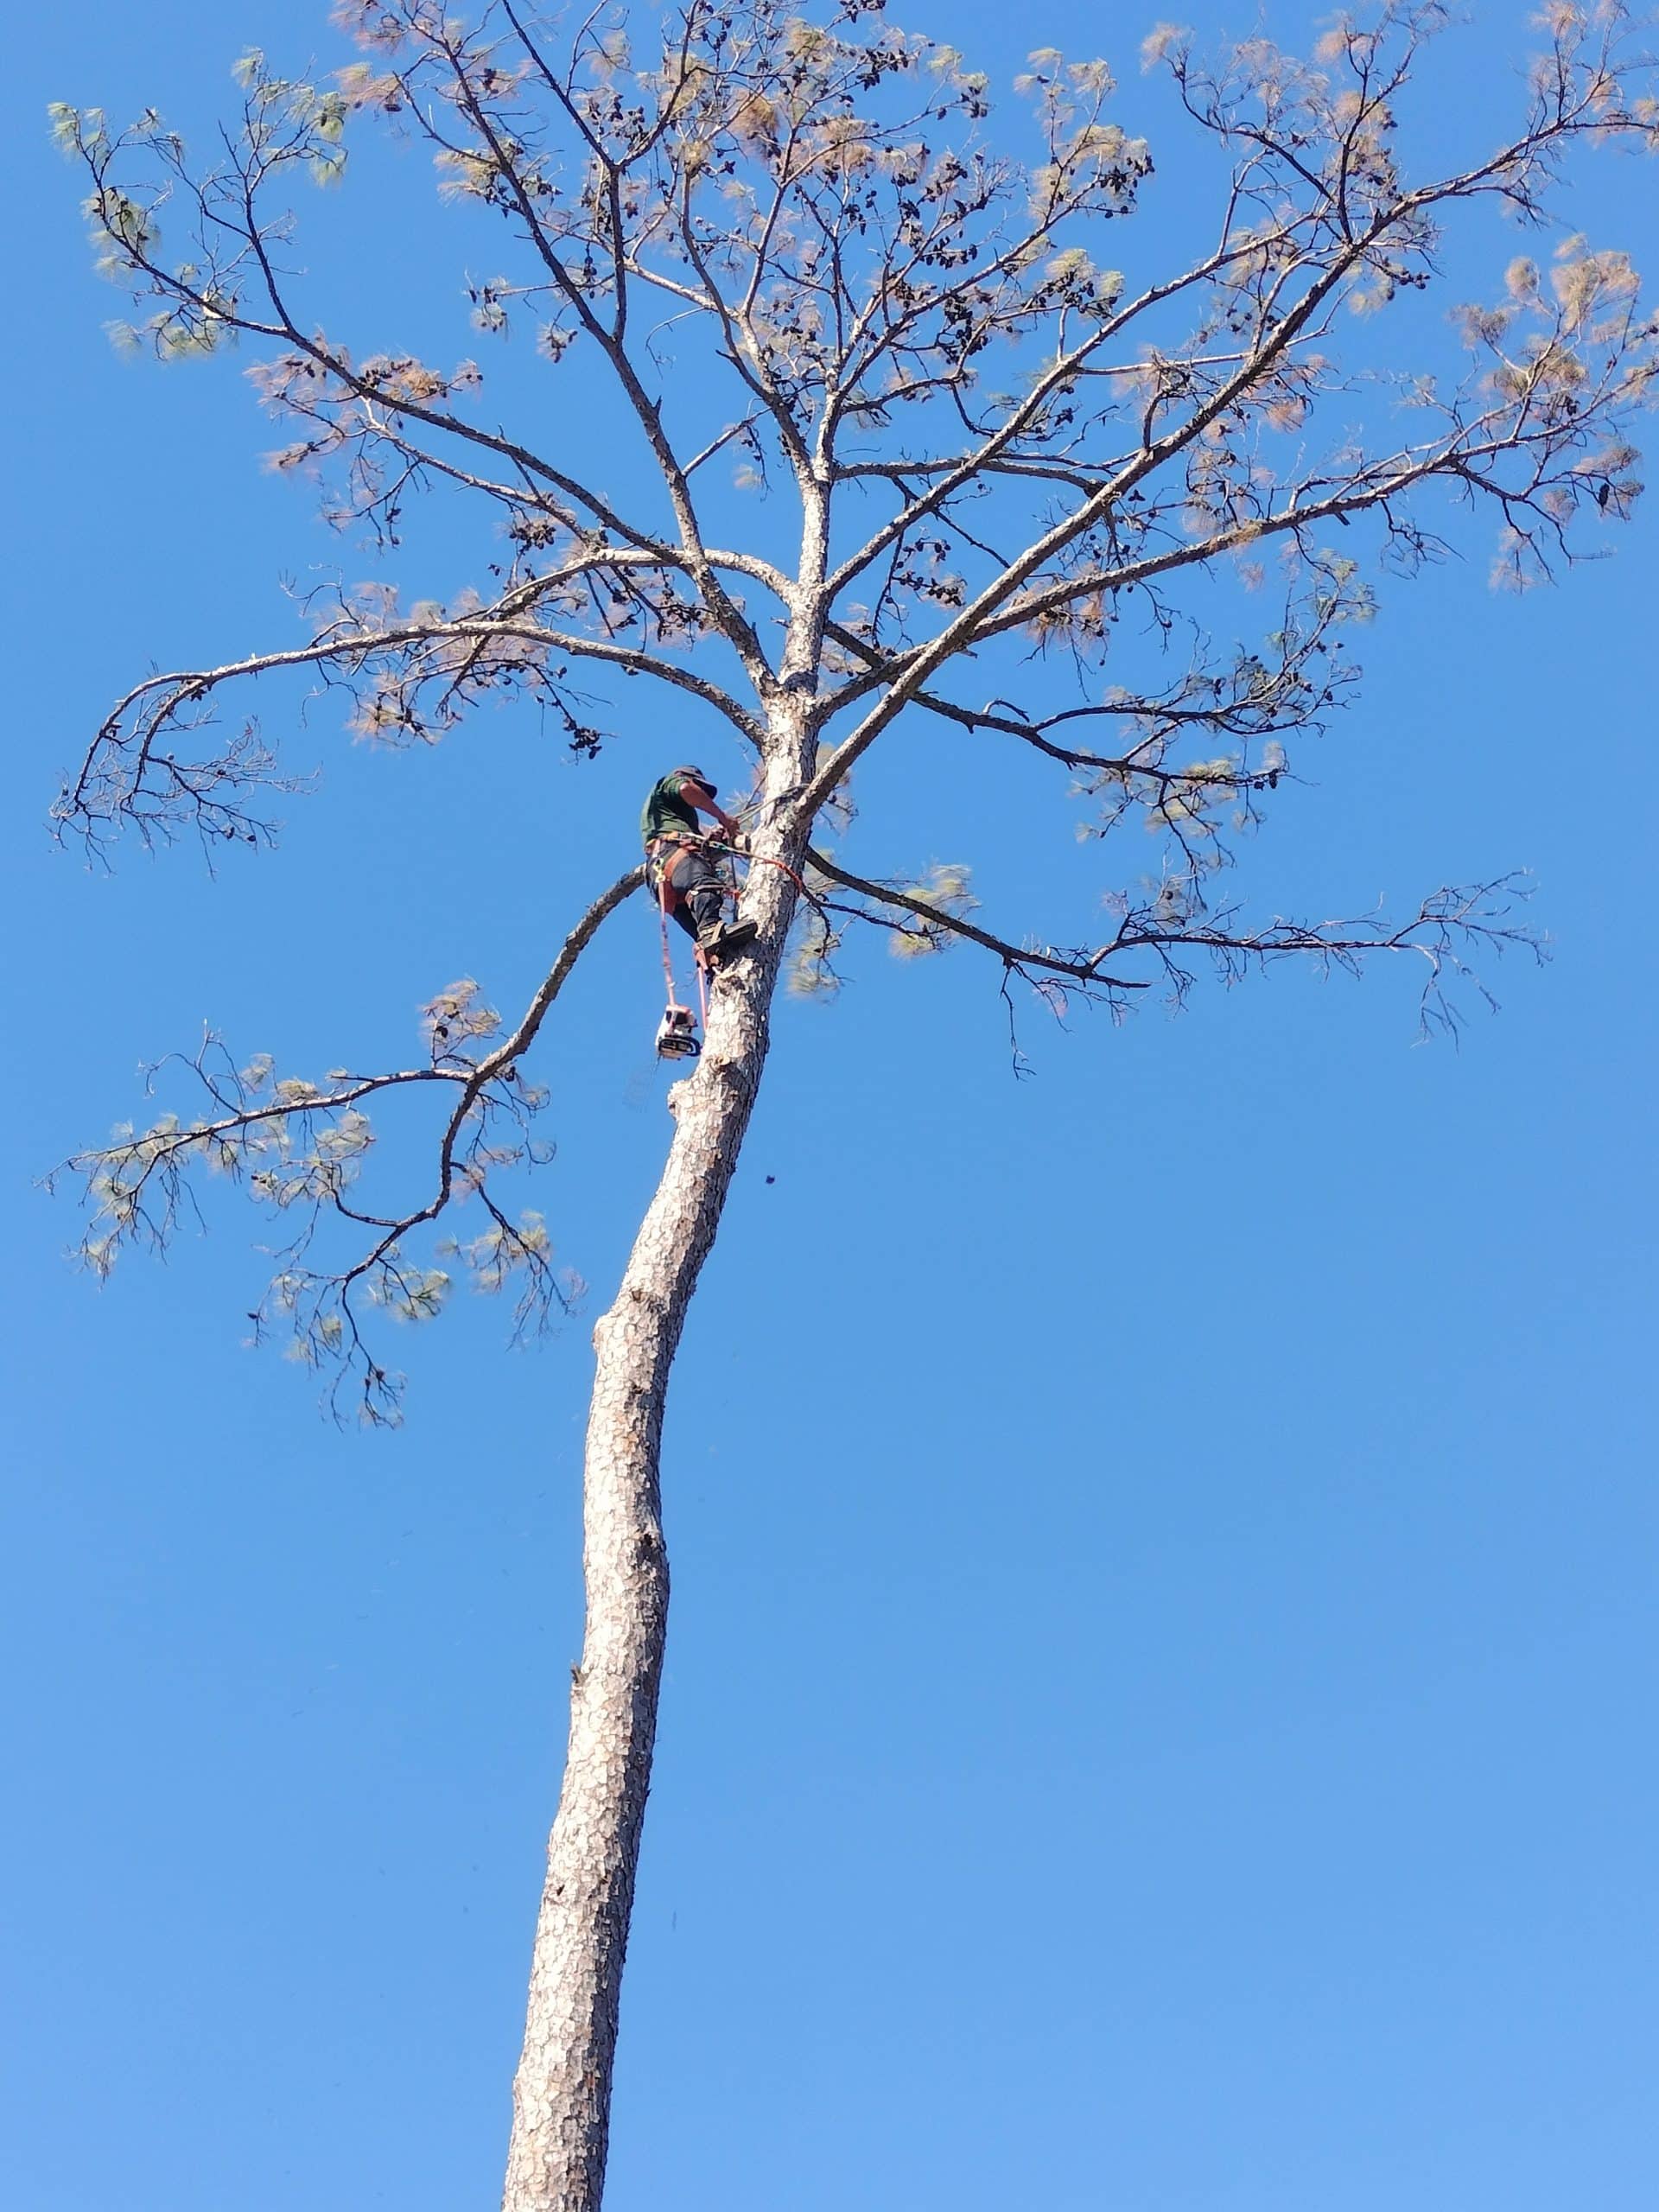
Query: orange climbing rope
point(765, 861)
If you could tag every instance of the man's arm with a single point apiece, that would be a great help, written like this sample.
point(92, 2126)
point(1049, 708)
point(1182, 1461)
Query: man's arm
point(700, 796)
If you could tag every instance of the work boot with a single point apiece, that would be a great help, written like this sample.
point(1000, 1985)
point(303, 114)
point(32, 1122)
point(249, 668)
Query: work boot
point(723, 941)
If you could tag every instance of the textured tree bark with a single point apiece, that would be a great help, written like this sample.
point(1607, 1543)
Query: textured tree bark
point(562, 2094)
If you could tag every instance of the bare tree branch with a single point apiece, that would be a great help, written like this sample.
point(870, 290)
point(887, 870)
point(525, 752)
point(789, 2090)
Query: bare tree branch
point(299, 1147)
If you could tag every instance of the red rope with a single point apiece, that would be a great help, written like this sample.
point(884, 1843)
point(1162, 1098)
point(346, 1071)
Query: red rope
point(766, 861)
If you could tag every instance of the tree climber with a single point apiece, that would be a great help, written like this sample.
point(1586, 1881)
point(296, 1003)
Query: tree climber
point(683, 871)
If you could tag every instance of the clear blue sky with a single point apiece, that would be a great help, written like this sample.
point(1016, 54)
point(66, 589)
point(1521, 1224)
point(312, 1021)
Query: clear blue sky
point(1159, 1716)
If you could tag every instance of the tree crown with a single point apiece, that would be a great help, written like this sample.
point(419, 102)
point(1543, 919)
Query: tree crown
point(994, 462)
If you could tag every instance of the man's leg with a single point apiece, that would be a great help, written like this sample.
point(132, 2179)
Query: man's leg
point(702, 891)
point(665, 881)
point(680, 912)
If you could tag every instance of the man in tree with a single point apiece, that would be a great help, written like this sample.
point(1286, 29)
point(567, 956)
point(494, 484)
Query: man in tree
point(1002, 463)
point(683, 872)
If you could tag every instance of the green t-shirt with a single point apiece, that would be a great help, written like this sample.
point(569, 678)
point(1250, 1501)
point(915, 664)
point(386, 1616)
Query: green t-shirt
point(666, 814)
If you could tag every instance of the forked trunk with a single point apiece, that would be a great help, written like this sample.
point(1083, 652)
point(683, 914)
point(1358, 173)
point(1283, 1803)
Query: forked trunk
point(562, 2091)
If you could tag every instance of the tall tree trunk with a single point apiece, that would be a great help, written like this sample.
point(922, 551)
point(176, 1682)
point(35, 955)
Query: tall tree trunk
point(562, 2094)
